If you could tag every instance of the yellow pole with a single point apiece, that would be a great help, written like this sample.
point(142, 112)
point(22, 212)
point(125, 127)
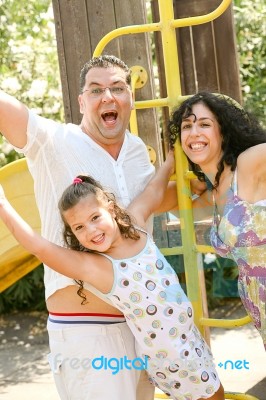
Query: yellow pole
point(173, 85)
point(202, 19)
point(126, 30)
point(133, 116)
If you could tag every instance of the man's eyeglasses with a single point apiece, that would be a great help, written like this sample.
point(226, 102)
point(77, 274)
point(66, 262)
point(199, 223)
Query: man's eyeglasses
point(114, 90)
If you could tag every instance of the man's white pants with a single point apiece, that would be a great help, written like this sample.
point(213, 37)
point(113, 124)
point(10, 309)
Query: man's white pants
point(79, 361)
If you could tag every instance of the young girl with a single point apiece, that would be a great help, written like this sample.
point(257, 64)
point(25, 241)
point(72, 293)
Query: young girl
point(227, 145)
point(120, 259)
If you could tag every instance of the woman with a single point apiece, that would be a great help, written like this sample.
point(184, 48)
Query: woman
point(227, 146)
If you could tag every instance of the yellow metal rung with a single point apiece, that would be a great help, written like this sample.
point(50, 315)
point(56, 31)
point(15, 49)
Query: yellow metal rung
point(228, 395)
point(239, 396)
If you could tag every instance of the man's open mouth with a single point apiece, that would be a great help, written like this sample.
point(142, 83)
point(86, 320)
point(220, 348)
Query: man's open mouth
point(109, 116)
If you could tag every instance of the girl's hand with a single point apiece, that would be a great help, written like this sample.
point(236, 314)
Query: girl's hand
point(170, 161)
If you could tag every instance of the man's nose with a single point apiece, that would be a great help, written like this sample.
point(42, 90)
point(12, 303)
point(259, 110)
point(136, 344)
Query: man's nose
point(107, 95)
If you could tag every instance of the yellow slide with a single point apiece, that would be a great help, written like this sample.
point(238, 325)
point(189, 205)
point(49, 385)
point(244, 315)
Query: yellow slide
point(15, 262)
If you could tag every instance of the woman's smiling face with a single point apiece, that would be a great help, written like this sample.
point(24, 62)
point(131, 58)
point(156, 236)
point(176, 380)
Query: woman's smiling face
point(201, 138)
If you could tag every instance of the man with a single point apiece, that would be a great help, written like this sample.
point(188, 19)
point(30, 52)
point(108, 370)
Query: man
point(89, 340)
point(83, 338)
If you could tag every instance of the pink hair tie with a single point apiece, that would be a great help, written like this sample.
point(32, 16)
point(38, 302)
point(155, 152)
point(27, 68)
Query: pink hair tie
point(77, 180)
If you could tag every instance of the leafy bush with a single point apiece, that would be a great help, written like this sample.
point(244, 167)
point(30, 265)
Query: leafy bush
point(25, 294)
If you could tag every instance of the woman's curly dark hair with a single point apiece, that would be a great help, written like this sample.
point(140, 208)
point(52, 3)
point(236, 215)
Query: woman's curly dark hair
point(81, 189)
point(239, 129)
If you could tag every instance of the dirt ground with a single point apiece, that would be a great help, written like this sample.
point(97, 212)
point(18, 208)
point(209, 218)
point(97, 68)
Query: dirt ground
point(23, 348)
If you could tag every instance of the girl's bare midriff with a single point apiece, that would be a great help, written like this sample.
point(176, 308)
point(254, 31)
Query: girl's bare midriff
point(67, 301)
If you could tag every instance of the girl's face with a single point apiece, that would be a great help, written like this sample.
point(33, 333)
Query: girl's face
point(92, 223)
point(201, 138)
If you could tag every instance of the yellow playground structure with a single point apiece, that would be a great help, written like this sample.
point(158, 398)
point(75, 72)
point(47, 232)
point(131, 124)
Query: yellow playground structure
point(18, 184)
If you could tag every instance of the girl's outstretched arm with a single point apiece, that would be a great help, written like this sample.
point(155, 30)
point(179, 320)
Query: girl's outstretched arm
point(159, 190)
point(150, 199)
point(170, 200)
point(74, 264)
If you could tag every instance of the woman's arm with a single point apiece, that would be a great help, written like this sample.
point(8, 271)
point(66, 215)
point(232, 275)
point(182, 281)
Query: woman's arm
point(251, 174)
point(74, 264)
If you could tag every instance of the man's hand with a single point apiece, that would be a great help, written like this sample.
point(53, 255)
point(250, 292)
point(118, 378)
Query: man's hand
point(2, 194)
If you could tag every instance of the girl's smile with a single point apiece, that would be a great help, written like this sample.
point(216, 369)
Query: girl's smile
point(99, 239)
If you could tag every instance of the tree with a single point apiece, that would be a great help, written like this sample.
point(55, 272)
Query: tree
point(29, 66)
point(250, 17)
